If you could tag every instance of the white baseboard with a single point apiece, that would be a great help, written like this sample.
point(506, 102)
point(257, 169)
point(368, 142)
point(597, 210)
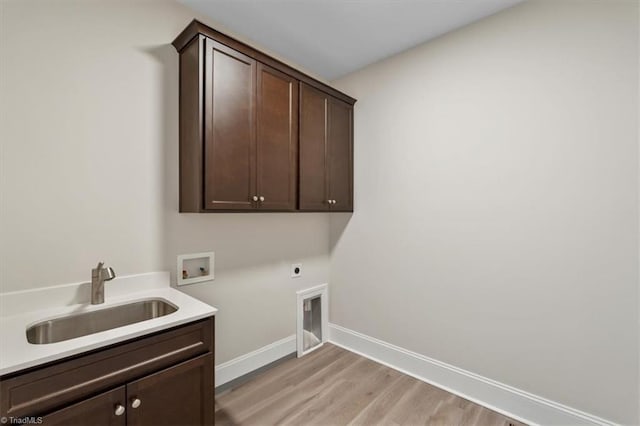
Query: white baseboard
point(246, 363)
point(504, 399)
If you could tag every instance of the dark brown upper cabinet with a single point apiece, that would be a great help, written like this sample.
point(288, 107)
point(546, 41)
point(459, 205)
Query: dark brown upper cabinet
point(326, 151)
point(249, 136)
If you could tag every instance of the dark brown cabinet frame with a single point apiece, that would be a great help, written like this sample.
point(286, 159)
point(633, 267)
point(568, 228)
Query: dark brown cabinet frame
point(232, 152)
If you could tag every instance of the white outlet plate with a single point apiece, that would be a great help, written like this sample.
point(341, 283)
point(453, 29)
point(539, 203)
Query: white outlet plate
point(296, 270)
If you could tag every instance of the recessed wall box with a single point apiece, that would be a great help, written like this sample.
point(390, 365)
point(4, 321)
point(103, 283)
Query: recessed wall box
point(195, 268)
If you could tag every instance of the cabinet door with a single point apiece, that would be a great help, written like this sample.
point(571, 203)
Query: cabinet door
point(229, 136)
point(99, 411)
point(277, 144)
point(340, 155)
point(180, 395)
point(313, 153)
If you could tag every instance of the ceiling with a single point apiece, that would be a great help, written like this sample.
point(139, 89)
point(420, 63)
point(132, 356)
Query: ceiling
point(331, 38)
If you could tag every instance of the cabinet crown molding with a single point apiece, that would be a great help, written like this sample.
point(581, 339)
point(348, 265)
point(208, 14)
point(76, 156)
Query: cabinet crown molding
point(196, 28)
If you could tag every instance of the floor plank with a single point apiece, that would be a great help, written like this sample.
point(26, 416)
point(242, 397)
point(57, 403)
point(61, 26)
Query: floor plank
point(332, 386)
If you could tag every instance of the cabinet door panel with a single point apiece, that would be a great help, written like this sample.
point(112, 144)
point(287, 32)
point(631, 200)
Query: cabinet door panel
point(180, 395)
point(340, 154)
point(230, 151)
point(98, 411)
point(277, 139)
point(313, 155)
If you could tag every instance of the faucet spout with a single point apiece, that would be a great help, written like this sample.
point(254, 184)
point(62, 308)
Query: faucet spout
point(99, 275)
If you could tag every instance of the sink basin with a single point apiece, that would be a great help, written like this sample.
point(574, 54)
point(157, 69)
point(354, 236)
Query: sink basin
point(77, 325)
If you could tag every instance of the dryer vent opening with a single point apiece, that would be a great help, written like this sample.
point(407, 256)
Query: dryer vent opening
point(312, 323)
point(312, 319)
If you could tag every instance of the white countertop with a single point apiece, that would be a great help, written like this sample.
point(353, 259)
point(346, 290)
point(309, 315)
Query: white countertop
point(19, 310)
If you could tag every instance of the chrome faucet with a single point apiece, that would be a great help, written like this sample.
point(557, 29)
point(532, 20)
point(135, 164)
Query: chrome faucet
point(99, 275)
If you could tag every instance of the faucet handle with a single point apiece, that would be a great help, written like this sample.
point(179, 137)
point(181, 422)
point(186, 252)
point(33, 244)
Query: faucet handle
point(100, 265)
point(108, 274)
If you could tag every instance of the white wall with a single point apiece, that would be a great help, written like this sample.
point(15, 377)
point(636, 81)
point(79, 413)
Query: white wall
point(496, 205)
point(88, 168)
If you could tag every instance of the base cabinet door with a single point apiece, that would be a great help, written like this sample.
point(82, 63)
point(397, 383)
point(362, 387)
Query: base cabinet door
point(106, 409)
point(180, 395)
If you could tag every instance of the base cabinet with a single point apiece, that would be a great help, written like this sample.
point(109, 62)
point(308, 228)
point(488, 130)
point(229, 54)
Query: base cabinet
point(159, 380)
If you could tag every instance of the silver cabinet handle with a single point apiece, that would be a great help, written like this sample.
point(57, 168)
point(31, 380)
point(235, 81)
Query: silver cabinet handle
point(119, 409)
point(135, 403)
point(255, 198)
point(261, 198)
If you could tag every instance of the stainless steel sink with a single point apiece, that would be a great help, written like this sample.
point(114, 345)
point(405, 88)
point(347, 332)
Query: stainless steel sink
point(77, 325)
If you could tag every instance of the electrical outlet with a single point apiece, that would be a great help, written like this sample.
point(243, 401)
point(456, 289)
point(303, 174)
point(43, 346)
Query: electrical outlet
point(296, 270)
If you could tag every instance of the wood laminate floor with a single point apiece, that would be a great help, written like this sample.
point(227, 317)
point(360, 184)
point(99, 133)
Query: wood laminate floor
point(332, 386)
